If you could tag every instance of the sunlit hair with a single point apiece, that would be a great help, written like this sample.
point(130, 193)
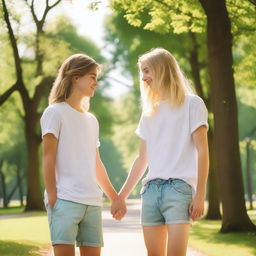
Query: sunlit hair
point(168, 81)
point(76, 65)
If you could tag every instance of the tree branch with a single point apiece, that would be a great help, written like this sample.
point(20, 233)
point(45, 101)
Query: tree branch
point(42, 88)
point(13, 43)
point(252, 2)
point(19, 83)
point(7, 94)
point(32, 10)
point(47, 9)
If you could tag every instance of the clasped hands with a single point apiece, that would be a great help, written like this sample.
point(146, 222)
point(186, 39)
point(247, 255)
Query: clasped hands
point(118, 208)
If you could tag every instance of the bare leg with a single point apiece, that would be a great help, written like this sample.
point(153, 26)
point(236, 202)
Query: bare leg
point(178, 239)
point(90, 251)
point(64, 250)
point(155, 239)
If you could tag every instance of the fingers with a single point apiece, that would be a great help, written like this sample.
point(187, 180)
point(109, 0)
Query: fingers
point(196, 213)
point(119, 214)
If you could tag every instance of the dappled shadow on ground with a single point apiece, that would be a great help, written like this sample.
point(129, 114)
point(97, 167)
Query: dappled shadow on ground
point(242, 239)
point(10, 248)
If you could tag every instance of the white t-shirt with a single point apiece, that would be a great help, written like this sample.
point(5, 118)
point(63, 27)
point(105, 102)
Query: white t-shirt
point(168, 135)
point(75, 169)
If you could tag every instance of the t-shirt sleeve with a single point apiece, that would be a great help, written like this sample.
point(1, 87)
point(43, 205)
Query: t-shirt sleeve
point(50, 122)
point(198, 114)
point(141, 129)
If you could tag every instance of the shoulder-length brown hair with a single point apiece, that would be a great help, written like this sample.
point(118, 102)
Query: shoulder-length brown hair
point(76, 65)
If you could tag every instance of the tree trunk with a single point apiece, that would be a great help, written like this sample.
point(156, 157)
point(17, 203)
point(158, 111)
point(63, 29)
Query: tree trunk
point(213, 192)
point(34, 193)
point(248, 173)
point(213, 212)
point(228, 162)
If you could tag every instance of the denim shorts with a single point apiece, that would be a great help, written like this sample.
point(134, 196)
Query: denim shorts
point(75, 223)
point(165, 202)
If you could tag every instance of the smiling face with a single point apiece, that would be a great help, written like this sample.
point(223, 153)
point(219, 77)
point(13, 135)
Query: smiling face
point(146, 73)
point(86, 84)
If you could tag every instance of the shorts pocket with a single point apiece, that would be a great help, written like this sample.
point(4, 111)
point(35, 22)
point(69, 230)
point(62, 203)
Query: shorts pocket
point(143, 189)
point(182, 187)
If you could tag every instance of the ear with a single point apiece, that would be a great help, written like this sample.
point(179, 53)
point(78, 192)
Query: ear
point(75, 78)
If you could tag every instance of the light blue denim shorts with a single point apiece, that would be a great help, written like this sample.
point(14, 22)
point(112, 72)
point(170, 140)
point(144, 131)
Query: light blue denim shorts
point(75, 223)
point(165, 202)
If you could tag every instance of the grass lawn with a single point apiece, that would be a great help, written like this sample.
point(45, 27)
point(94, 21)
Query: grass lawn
point(24, 235)
point(205, 235)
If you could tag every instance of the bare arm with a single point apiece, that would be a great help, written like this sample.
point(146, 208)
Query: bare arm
point(50, 144)
point(103, 179)
point(138, 168)
point(107, 187)
point(201, 143)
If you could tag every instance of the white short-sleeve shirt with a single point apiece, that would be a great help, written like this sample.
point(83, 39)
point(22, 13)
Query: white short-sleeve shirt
point(78, 138)
point(168, 135)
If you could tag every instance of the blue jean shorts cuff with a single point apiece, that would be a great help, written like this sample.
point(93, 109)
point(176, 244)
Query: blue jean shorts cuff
point(62, 242)
point(89, 244)
point(178, 222)
point(152, 224)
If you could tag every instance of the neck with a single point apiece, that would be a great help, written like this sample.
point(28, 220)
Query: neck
point(76, 102)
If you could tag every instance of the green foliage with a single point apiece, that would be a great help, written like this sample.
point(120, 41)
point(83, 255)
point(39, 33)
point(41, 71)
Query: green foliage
point(163, 16)
point(127, 114)
point(112, 160)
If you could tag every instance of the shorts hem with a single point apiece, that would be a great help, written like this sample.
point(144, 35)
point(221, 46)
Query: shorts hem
point(166, 223)
point(62, 242)
point(178, 222)
point(153, 224)
point(78, 244)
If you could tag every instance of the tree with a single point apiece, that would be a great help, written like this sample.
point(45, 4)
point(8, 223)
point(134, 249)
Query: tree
point(190, 16)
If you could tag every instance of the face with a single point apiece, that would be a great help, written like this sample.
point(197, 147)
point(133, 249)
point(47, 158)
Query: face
point(86, 84)
point(146, 73)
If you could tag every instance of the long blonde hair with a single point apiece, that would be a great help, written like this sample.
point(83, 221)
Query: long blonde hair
point(76, 65)
point(168, 80)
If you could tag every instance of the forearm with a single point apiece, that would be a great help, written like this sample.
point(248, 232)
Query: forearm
point(203, 170)
point(49, 177)
point(138, 168)
point(104, 182)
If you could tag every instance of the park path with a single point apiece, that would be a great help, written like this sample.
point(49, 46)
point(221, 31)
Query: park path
point(124, 238)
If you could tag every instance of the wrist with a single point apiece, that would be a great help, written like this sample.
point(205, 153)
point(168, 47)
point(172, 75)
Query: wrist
point(122, 196)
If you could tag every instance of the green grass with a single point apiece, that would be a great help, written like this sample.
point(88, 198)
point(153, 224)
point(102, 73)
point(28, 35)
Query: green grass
point(205, 235)
point(11, 210)
point(11, 248)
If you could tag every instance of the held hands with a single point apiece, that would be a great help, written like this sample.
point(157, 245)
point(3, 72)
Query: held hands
point(118, 208)
point(196, 209)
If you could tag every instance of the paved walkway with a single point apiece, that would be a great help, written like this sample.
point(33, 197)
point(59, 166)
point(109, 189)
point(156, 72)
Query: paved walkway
point(124, 238)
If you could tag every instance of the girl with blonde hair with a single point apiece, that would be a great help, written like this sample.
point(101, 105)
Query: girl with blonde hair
point(174, 147)
point(71, 161)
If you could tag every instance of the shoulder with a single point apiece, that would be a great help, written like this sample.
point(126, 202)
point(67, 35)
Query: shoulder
point(194, 101)
point(53, 110)
point(193, 98)
point(92, 117)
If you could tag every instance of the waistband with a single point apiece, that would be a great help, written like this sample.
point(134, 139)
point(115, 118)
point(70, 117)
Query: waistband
point(162, 181)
